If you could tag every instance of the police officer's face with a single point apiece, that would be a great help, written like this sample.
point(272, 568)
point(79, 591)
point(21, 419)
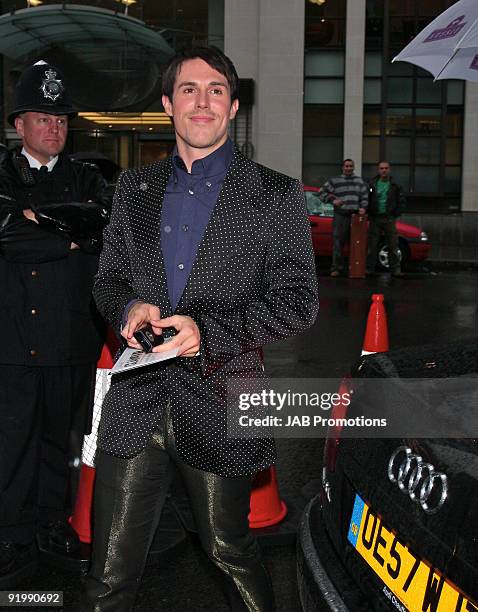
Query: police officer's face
point(43, 135)
point(201, 108)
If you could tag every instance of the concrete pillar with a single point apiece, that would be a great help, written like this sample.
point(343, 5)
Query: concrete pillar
point(354, 81)
point(266, 42)
point(241, 36)
point(241, 40)
point(215, 26)
point(469, 198)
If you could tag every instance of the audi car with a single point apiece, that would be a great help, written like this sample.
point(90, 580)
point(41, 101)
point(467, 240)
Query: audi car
point(394, 526)
point(413, 243)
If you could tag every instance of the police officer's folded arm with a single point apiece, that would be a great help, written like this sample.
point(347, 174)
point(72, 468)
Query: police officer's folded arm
point(82, 222)
point(23, 241)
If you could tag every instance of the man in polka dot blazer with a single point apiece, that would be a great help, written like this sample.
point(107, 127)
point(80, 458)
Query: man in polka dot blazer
point(215, 250)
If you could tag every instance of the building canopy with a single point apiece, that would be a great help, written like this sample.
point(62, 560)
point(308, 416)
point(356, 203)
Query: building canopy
point(111, 62)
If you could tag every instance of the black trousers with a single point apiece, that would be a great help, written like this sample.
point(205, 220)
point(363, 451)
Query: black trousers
point(129, 497)
point(340, 235)
point(377, 227)
point(38, 408)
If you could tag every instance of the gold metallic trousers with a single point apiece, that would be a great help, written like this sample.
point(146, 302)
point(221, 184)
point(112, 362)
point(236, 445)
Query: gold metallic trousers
point(129, 497)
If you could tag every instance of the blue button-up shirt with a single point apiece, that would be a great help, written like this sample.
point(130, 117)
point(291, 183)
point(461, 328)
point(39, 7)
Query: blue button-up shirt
point(189, 201)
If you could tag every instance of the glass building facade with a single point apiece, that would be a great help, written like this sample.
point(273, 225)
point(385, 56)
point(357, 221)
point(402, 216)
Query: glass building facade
point(408, 119)
point(411, 121)
point(324, 85)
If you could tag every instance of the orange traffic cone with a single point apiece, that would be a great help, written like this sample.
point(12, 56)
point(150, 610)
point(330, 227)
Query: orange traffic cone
point(80, 520)
point(110, 347)
point(267, 508)
point(376, 333)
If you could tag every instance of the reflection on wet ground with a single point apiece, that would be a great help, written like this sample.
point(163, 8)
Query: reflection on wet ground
point(421, 308)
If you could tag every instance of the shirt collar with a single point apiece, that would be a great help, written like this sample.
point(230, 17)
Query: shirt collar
point(34, 163)
point(214, 164)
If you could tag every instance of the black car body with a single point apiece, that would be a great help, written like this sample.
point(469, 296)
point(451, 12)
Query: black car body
point(370, 540)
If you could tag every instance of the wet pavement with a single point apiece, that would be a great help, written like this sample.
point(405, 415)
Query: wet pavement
point(423, 307)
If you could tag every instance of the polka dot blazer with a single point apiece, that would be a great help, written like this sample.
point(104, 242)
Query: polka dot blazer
point(253, 282)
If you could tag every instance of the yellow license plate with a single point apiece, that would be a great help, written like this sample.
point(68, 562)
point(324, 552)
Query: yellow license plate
point(410, 584)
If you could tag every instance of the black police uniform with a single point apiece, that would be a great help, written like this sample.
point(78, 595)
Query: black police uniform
point(51, 333)
point(51, 338)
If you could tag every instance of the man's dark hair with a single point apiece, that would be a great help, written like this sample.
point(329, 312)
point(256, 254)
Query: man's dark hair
point(212, 56)
point(348, 159)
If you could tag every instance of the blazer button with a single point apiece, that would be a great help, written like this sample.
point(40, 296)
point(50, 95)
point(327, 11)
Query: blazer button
point(33, 353)
point(34, 273)
point(34, 311)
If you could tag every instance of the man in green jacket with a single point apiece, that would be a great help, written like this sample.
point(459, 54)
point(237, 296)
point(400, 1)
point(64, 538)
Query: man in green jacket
point(386, 202)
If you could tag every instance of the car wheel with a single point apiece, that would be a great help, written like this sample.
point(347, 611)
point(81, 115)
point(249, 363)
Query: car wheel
point(382, 256)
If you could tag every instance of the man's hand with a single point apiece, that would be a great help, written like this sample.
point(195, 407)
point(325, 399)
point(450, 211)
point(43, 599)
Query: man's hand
point(188, 338)
point(138, 316)
point(30, 215)
point(361, 211)
point(337, 202)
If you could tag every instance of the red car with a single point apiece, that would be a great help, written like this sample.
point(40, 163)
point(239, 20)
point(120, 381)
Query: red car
point(413, 243)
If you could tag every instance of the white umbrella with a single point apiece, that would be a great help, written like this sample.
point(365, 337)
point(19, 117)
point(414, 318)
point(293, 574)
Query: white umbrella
point(448, 46)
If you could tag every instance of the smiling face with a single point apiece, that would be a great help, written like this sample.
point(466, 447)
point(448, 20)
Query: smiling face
point(201, 108)
point(348, 167)
point(43, 135)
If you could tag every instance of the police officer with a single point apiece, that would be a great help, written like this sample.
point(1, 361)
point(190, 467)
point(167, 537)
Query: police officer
point(52, 210)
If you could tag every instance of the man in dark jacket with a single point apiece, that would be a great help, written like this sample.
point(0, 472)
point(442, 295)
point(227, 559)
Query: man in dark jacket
point(386, 202)
point(51, 215)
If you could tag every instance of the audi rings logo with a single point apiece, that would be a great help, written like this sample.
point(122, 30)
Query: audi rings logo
point(418, 479)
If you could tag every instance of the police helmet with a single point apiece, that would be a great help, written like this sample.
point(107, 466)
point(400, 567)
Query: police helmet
point(40, 89)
